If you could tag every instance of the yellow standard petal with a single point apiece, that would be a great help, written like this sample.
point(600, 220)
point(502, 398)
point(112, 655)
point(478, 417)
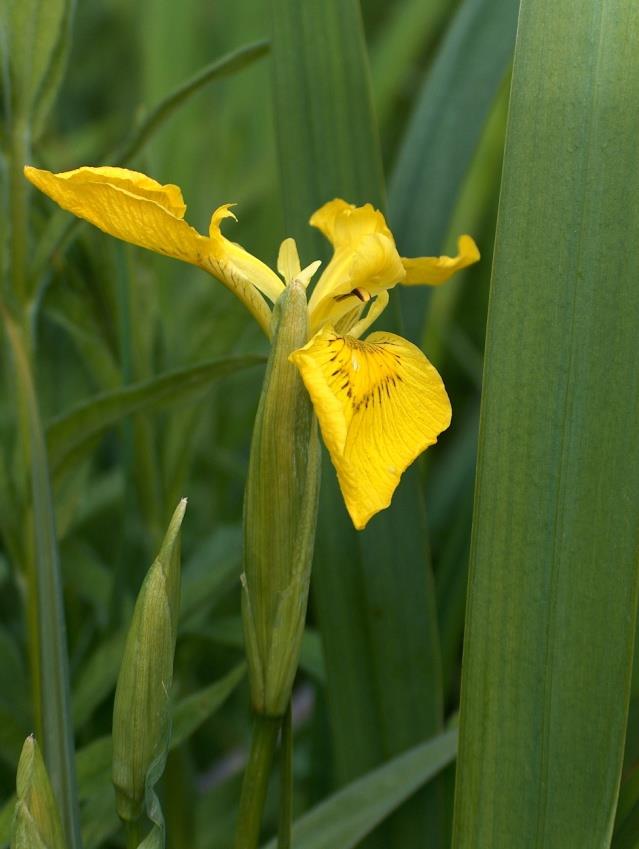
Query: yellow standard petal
point(379, 403)
point(365, 260)
point(433, 270)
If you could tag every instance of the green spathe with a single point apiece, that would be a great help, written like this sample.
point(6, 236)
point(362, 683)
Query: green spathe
point(280, 509)
point(36, 824)
point(142, 697)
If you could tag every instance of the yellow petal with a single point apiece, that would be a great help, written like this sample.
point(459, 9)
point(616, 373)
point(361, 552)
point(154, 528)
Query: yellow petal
point(365, 260)
point(343, 223)
point(235, 266)
point(127, 205)
point(379, 403)
point(433, 270)
point(139, 210)
point(288, 260)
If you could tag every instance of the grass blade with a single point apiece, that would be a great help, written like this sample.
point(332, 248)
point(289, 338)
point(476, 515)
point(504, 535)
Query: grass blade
point(344, 819)
point(443, 134)
point(76, 429)
point(553, 583)
point(230, 63)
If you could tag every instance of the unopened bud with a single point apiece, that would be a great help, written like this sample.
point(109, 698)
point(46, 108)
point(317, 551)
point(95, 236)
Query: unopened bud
point(37, 823)
point(280, 512)
point(142, 697)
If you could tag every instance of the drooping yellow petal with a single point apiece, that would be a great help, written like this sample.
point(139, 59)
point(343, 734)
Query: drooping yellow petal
point(365, 259)
point(139, 210)
point(433, 270)
point(379, 403)
point(127, 205)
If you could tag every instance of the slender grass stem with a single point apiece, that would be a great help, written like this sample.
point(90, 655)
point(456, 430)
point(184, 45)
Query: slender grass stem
point(255, 783)
point(286, 782)
point(19, 207)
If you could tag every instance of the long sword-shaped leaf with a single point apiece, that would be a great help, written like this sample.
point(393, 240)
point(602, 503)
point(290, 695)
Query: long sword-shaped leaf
point(47, 620)
point(444, 131)
point(74, 430)
point(344, 819)
point(553, 583)
point(373, 591)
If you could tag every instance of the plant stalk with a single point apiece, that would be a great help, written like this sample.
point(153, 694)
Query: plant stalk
point(255, 782)
point(286, 782)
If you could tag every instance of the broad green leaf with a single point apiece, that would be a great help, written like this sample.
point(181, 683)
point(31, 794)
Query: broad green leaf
point(328, 146)
point(373, 591)
point(73, 431)
point(343, 820)
point(409, 28)
point(452, 107)
point(553, 580)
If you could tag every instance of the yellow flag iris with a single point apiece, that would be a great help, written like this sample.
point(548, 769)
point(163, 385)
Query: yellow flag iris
point(379, 402)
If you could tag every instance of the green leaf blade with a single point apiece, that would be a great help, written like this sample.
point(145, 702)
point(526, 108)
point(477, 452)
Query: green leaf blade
point(553, 583)
point(343, 820)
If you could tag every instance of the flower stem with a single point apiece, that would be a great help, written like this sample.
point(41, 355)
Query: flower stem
point(255, 783)
point(286, 782)
point(133, 834)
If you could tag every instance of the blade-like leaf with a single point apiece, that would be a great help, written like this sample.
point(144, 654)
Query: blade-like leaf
point(553, 582)
point(344, 819)
point(47, 620)
point(373, 591)
point(443, 133)
point(72, 431)
point(195, 709)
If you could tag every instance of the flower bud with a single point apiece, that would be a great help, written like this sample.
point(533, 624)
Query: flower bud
point(37, 823)
point(280, 511)
point(142, 698)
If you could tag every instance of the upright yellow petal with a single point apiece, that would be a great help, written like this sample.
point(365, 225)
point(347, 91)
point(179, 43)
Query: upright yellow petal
point(433, 270)
point(379, 403)
point(365, 260)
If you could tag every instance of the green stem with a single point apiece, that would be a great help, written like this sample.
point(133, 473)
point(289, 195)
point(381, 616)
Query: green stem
point(133, 834)
point(19, 207)
point(286, 782)
point(255, 781)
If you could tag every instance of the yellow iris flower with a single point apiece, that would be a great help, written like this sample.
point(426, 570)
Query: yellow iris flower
point(379, 402)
